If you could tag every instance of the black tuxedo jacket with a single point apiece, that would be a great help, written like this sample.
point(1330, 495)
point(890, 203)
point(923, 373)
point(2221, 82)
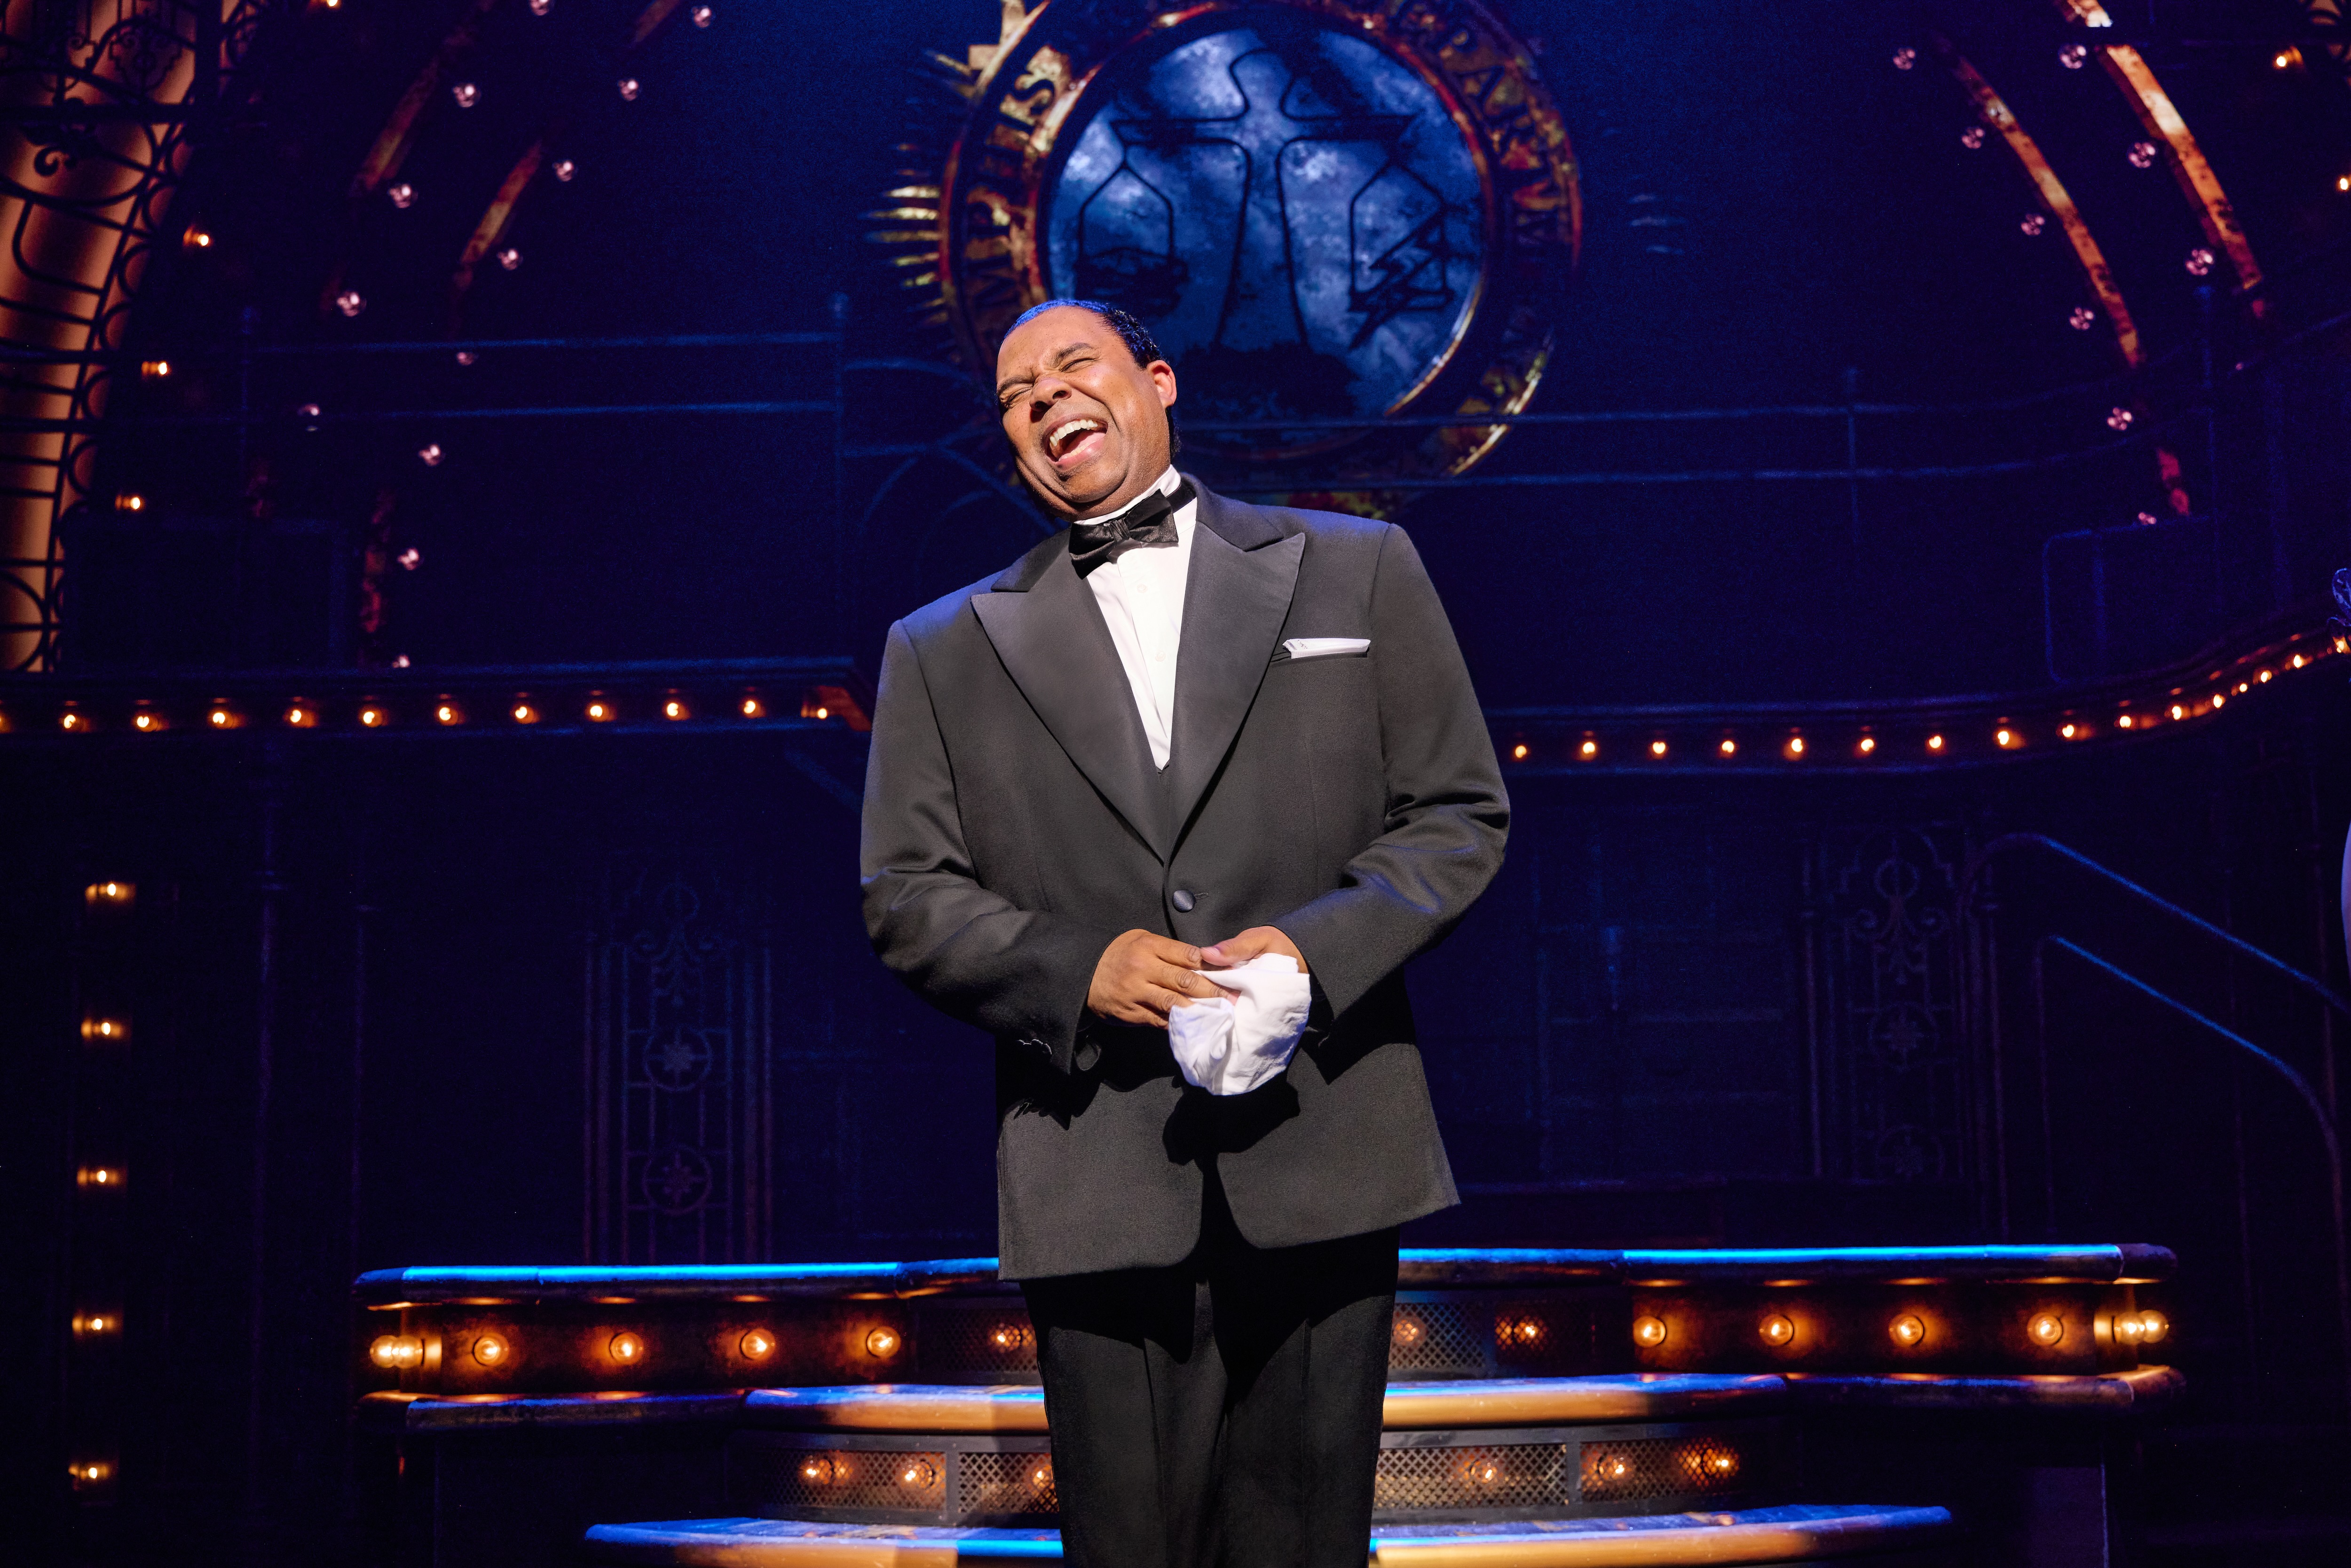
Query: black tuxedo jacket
point(1015, 824)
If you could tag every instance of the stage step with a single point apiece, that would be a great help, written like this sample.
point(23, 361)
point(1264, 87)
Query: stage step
point(1795, 1533)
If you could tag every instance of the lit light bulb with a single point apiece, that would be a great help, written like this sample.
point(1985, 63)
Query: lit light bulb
point(525, 714)
point(1933, 743)
point(599, 712)
point(446, 713)
point(628, 1349)
point(371, 716)
point(2082, 318)
point(2072, 56)
point(817, 1469)
point(1483, 1472)
point(564, 169)
point(2120, 419)
point(757, 1345)
point(630, 86)
point(403, 195)
point(2068, 731)
point(2199, 262)
point(2005, 737)
point(1729, 747)
point(2125, 722)
point(750, 707)
point(2129, 1328)
point(1657, 749)
point(1649, 1332)
point(2282, 61)
point(881, 1343)
point(144, 721)
point(1796, 745)
point(511, 258)
point(2343, 182)
point(491, 1350)
point(2142, 155)
point(2220, 699)
point(466, 94)
point(431, 455)
point(1907, 1329)
point(1525, 1330)
point(1042, 1476)
point(1589, 748)
point(919, 1474)
point(1408, 1330)
point(129, 502)
point(397, 1351)
point(2153, 1327)
point(673, 710)
point(2263, 678)
point(823, 713)
point(220, 718)
point(702, 15)
point(1777, 1330)
point(2045, 1329)
point(350, 302)
point(197, 239)
point(155, 370)
point(2178, 712)
point(1868, 744)
point(1518, 752)
point(2242, 688)
point(69, 720)
point(1906, 58)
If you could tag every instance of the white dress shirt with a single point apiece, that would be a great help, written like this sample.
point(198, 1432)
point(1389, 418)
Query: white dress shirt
point(1141, 599)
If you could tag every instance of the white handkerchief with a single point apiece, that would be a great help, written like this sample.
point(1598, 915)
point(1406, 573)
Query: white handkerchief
point(1232, 1044)
point(1325, 647)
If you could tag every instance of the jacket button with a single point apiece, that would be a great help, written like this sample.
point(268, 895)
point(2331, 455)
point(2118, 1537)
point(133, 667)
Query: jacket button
point(1182, 900)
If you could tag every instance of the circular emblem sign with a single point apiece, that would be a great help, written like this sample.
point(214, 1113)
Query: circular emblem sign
point(1343, 220)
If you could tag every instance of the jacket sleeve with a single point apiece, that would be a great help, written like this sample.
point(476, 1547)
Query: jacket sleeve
point(972, 954)
point(1447, 814)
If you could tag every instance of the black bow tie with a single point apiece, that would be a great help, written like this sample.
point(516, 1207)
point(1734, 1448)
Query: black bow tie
point(1149, 524)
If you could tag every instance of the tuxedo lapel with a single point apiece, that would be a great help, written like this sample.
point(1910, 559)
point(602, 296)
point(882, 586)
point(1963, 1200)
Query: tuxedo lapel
point(1057, 650)
point(1243, 573)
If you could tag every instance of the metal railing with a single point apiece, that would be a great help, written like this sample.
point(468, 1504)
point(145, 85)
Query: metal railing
point(1970, 885)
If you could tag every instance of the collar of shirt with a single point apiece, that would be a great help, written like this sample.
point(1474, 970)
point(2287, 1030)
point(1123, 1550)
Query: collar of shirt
point(1165, 485)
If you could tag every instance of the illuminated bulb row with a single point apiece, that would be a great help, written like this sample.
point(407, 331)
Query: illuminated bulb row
point(1908, 1329)
point(2007, 736)
point(306, 715)
point(912, 1471)
point(398, 1351)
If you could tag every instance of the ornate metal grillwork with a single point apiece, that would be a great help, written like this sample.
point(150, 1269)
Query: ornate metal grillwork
point(101, 96)
point(1643, 1468)
point(1894, 1063)
point(1437, 1337)
point(1489, 1475)
point(1006, 1485)
point(786, 1479)
point(679, 1090)
point(963, 1340)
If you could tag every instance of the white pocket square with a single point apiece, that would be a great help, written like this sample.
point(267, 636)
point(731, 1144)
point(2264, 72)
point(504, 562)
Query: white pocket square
point(1325, 647)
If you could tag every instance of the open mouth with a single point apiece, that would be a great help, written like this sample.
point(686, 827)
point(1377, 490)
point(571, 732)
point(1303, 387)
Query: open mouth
point(1073, 442)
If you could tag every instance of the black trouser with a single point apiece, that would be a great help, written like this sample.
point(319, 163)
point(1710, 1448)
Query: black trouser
point(1224, 1412)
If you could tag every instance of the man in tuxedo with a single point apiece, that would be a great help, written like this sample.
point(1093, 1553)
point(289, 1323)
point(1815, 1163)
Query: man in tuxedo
point(1181, 736)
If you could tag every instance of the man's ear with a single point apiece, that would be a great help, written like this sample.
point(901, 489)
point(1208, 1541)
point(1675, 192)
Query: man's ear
point(1163, 377)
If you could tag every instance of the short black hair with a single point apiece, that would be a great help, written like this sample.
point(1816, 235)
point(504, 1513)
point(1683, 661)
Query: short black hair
point(1132, 332)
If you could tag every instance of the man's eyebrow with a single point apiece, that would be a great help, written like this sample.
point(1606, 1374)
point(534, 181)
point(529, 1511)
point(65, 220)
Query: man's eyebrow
point(1059, 356)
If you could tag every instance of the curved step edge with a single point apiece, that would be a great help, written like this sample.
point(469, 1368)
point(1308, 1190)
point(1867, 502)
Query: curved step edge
point(1800, 1533)
point(2138, 1391)
point(1410, 1407)
point(1790, 1534)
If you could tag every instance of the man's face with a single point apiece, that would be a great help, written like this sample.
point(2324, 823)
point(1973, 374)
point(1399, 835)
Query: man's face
point(1088, 425)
